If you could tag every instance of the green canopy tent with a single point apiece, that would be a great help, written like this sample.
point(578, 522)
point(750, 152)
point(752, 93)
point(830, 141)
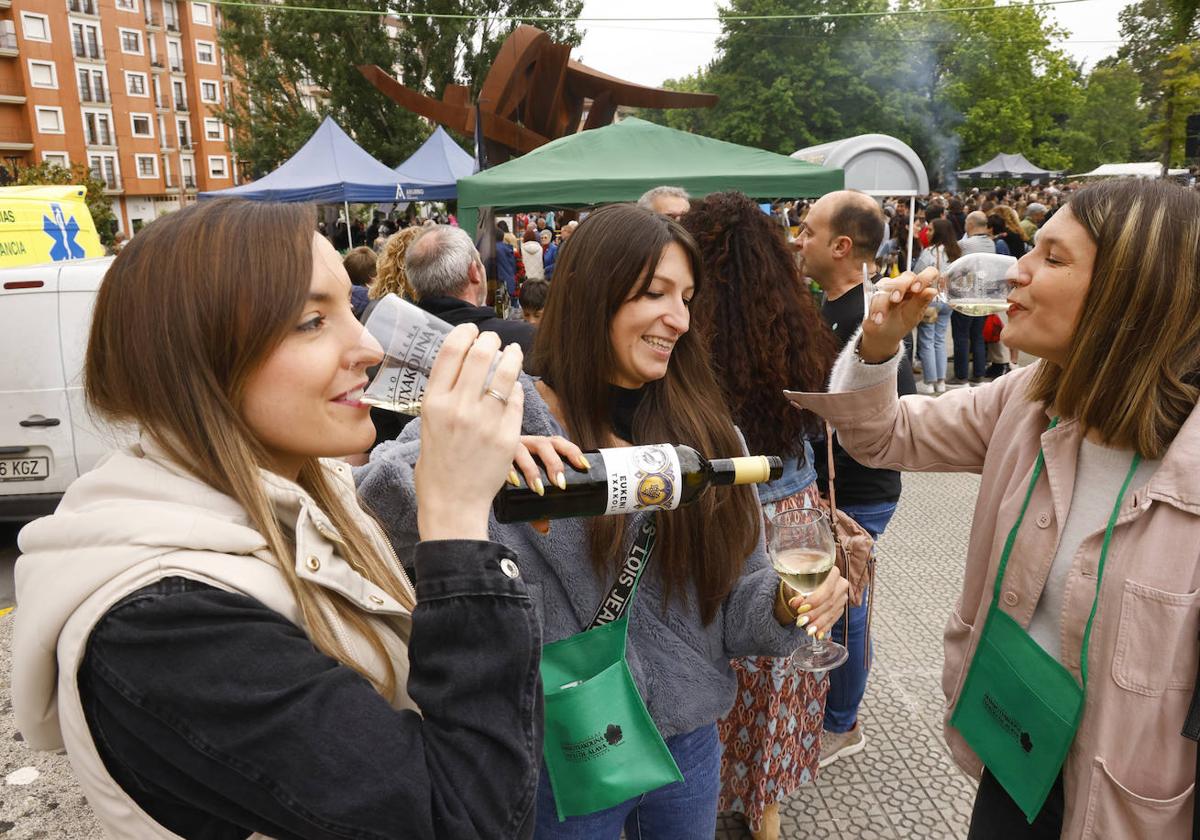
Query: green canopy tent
point(621, 161)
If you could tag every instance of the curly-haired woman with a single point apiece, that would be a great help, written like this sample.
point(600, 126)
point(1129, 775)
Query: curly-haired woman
point(766, 335)
point(389, 269)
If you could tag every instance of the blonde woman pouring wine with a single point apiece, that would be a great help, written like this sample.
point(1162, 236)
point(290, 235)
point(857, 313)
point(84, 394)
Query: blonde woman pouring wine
point(1071, 655)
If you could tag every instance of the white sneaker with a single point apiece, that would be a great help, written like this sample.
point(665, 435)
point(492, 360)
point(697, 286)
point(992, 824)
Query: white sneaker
point(924, 387)
point(939, 387)
point(835, 745)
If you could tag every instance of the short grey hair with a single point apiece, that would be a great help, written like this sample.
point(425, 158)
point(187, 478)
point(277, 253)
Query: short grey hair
point(438, 260)
point(647, 199)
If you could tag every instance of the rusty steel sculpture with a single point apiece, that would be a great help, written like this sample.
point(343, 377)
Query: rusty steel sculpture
point(533, 93)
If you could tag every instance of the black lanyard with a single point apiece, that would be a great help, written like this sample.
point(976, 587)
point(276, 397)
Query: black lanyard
point(616, 604)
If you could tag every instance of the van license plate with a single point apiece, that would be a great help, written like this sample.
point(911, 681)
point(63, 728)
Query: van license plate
point(24, 469)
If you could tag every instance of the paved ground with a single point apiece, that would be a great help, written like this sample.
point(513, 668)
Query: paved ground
point(903, 785)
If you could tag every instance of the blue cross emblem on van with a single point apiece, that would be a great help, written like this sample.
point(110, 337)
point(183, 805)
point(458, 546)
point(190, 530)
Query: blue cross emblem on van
point(63, 231)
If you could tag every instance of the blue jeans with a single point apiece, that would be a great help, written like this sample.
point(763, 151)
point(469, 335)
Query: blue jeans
point(848, 683)
point(932, 345)
point(968, 342)
point(684, 810)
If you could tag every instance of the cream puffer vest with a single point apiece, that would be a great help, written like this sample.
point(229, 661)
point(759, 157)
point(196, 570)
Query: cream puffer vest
point(137, 519)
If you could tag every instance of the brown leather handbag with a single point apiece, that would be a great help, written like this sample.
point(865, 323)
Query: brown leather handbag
point(854, 546)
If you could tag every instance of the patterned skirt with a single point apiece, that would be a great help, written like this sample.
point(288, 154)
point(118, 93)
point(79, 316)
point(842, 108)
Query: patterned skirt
point(772, 735)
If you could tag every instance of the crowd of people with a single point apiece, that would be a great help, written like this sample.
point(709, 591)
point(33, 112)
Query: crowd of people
point(232, 631)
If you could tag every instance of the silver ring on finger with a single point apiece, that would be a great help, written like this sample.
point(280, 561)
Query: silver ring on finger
point(492, 392)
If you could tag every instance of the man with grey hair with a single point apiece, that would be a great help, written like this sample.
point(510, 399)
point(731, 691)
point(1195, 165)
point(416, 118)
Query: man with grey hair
point(450, 282)
point(1035, 214)
point(669, 201)
point(977, 240)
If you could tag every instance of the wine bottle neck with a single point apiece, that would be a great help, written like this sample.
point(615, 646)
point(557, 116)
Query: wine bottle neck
point(752, 470)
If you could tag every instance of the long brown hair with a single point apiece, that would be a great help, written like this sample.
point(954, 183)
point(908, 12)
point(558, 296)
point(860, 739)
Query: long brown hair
point(187, 312)
point(611, 256)
point(760, 321)
point(945, 235)
point(1132, 372)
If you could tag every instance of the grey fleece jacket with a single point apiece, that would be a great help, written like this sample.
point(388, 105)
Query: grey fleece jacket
point(680, 665)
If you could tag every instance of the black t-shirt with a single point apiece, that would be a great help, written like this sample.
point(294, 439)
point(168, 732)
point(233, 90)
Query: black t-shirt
point(855, 483)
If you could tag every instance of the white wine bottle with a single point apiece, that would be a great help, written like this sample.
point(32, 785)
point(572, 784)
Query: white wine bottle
point(631, 479)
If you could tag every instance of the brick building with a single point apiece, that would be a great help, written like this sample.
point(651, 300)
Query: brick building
point(127, 87)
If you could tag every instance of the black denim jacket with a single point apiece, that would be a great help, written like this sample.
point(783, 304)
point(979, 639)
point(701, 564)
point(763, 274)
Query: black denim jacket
point(220, 718)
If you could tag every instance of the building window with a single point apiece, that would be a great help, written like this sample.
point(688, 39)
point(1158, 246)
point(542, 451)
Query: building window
point(208, 92)
point(35, 27)
point(147, 166)
point(97, 128)
point(141, 125)
point(85, 39)
point(127, 5)
point(205, 52)
point(49, 120)
point(218, 166)
point(131, 41)
point(213, 129)
point(104, 168)
point(135, 84)
point(175, 56)
point(185, 134)
point(43, 74)
point(188, 168)
point(56, 159)
point(201, 13)
point(93, 86)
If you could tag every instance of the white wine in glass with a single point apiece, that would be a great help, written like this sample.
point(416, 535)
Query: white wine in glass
point(801, 546)
point(977, 284)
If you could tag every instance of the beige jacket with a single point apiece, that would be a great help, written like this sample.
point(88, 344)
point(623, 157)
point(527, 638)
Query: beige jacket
point(135, 519)
point(1130, 773)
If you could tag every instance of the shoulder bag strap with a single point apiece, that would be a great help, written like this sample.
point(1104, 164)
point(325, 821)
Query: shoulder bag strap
point(617, 602)
point(831, 474)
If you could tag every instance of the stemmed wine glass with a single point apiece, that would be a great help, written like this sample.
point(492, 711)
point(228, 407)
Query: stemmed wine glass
point(800, 543)
point(977, 284)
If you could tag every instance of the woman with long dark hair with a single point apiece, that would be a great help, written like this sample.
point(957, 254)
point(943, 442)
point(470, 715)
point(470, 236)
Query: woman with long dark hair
point(766, 335)
point(935, 323)
point(621, 365)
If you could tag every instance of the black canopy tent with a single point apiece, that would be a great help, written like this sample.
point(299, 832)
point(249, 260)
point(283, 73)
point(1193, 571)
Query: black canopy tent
point(1008, 166)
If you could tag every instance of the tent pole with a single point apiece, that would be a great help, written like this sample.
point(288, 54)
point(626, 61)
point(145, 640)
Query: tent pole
point(912, 221)
point(350, 233)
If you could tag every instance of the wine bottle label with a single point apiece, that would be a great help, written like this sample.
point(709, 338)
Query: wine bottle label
point(642, 478)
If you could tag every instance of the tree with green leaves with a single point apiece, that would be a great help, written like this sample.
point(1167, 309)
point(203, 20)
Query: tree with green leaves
point(278, 53)
point(98, 204)
point(1109, 123)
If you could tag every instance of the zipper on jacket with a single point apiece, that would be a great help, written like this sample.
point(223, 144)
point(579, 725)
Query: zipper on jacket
point(395, 559)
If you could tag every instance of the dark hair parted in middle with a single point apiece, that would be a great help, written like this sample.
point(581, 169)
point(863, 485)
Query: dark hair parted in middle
point(610, 259)
point(760, 320)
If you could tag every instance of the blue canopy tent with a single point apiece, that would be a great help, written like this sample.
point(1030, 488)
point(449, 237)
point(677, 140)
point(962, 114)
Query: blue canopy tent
point(432, 173)
point(328, 169)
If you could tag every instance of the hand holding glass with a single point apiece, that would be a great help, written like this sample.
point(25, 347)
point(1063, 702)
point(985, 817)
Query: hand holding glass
point(977, 284)
point(801, 546)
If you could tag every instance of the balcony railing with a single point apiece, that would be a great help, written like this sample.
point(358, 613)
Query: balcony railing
point(185, 144)
point(110, 180)
point(99, 138)
point(172, 25)
point(160, 103)
point(152, 22)
point(95, 96)
point(189, 182)
point(176, 65)
point(82, 7)
point(8, 41)
point(181, 105)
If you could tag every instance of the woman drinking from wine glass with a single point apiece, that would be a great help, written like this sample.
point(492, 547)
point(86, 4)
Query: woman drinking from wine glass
point(620, 365)
point(212, 626)
point(1071, 655)
point(765, 332)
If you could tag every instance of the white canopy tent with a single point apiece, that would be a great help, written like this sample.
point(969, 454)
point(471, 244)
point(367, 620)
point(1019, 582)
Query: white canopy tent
point(1149, 169)
point(877, 164)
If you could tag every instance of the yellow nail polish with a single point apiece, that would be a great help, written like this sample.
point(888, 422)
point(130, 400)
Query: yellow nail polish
point(513, 478)
point(587, 465)
point(804, 608)
point(538, 487)
point(801, 621)
point(561, 481)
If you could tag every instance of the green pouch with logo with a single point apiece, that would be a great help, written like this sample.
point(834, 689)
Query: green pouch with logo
point(601, 745)
point(1019, 708)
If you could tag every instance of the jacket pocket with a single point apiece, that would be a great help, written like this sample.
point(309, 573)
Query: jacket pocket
point(1114, 812)
point(956, 643)
point(1156, 640)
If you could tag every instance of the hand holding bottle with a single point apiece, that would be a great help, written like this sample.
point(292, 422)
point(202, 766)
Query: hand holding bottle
point(469, 432)
point(894, 310)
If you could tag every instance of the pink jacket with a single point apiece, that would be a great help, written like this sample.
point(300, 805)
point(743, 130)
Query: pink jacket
point(1130, 773)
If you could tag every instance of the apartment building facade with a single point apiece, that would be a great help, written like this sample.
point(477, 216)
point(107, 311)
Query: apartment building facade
point(127, 87)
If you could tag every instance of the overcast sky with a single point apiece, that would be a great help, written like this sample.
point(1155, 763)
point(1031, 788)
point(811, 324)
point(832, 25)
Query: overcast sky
point(649, 52)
